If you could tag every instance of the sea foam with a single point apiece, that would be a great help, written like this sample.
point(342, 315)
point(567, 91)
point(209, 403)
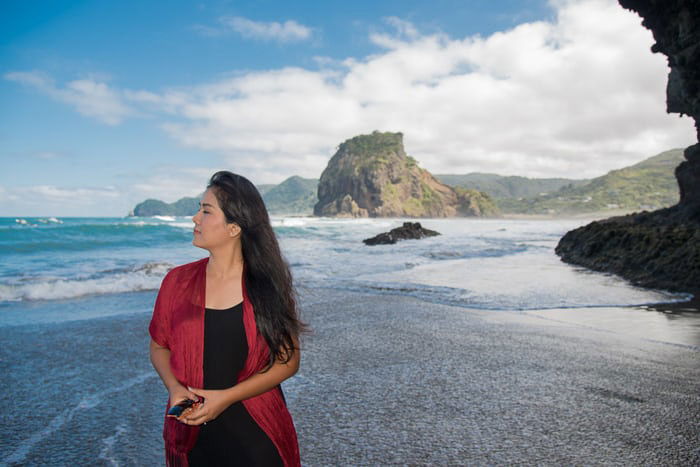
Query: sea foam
point(145, 277)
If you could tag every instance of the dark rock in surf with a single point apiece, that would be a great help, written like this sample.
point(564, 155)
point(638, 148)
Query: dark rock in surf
point(408, 231)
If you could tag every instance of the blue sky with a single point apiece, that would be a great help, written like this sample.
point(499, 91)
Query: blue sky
point(108, 103)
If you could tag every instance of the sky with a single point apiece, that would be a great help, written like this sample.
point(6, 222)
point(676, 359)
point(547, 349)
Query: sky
point(105, 104)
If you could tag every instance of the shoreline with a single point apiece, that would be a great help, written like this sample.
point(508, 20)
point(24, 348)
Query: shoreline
point(689, 306)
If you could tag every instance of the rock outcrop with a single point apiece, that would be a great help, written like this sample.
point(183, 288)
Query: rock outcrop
point(660, 248)
point(675, 25)
point(648, 249)
point(408, 231)
point(371, 176)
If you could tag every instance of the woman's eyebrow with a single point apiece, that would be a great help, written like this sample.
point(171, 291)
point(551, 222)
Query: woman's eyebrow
point(206, 205)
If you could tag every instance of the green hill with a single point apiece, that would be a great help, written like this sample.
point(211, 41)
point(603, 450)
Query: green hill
point(265, 187)
point(295, 195)
point(154, 207)
point(648, 185)
point(500, 186)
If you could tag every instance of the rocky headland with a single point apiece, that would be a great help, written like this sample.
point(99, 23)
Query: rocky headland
point(372, 176)
point(659, 248)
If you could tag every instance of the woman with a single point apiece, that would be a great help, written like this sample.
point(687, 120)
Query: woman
point(225, 333)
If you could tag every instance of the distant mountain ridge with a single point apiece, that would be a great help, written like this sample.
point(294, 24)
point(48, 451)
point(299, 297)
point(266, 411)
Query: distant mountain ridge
point(649, 184)
point(507, 186)
point(154, 207)
point(295, 195)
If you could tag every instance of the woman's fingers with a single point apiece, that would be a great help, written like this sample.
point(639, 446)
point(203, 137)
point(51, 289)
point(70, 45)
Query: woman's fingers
point(197, 416)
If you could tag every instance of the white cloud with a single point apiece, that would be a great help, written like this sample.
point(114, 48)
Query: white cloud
point(88, 96)
point(572, 97)
point(172, 183)
point(288, 31)
point(403, 28)
point(575, 97)
point(50, 200)
point(82, 196)
point(166, 183)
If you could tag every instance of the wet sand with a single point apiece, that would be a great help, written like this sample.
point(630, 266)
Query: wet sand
point(384, 380)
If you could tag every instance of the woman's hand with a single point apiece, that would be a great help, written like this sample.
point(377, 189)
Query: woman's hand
point(178, 394)
point(215, 402)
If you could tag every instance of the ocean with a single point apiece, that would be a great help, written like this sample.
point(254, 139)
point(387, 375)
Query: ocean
point(50, 267)
point(76, 295)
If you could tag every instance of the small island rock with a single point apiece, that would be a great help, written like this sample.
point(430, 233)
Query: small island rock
point(408, 231)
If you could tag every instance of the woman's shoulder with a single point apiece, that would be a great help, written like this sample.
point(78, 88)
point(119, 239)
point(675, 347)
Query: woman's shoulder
point(186, 268)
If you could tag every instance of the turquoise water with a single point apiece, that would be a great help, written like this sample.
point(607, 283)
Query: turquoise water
point(56, 269)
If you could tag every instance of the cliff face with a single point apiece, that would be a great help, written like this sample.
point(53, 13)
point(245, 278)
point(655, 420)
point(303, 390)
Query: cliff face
point(371, 176)
point(675, 25)
point(659, 248)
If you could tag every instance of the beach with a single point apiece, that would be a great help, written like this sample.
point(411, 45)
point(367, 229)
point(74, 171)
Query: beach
point(385, 379)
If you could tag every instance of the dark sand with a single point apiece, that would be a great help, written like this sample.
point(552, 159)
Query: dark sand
point(384, 380)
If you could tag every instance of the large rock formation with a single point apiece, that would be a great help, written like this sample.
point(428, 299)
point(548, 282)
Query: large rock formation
point(676, 28)
point(371, 176)
point(660, 248)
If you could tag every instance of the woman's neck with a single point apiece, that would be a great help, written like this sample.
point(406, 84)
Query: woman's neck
point(225, 264)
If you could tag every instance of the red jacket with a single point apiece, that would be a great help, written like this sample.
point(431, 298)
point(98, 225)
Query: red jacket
point(178, 324)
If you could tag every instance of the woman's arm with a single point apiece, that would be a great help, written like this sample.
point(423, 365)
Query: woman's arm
point(261, 382)
point(160, 358)
point(216, 401)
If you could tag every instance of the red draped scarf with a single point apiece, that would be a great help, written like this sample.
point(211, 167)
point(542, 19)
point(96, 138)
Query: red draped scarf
point(178, 324)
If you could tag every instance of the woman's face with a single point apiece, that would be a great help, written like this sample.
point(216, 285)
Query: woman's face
point(210, 228)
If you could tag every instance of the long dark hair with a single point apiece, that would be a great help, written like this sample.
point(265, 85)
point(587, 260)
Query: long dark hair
point(267, 276)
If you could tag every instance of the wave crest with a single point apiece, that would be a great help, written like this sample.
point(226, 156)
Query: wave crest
point(147, 276)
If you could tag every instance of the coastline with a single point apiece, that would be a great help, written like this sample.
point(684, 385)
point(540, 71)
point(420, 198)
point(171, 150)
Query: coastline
point(592, 216)
point(688, 306)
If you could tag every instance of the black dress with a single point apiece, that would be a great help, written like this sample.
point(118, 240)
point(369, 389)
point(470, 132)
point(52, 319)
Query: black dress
point(233, 438)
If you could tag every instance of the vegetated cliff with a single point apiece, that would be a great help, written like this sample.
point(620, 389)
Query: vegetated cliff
point(371, 176)
point(659, 248)
point(650, 184)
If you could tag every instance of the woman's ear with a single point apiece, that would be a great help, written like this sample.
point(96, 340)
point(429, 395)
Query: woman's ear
point(234, 230)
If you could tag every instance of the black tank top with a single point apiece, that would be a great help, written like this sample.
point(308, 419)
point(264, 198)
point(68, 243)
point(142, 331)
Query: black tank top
point(233, 438)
